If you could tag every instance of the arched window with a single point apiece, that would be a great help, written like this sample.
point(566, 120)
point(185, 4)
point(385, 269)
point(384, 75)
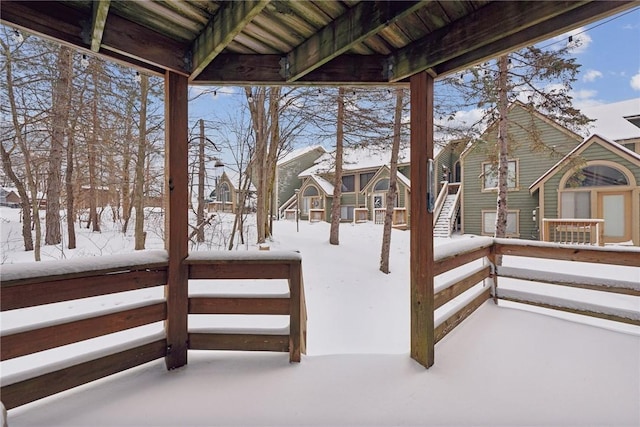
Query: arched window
point(382, 185)
point(597, 176)
point(225, 195)
point(310, 191)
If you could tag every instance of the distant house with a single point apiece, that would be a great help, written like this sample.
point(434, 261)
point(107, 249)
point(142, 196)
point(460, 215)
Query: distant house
point(9, 197)
point(287, 180)
point(570, 178)
point(229, 190)
point(365, 181)
point(528, 160)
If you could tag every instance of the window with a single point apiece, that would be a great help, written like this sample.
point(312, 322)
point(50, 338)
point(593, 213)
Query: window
point(365, 178)
point(225, 194)
point(489, 222)
point(310, 191)
point(490, 175)
point(378, 201)
point(575, 204)
point(382, 185)
point(348, 183)
point(346, 213)
point(597, 176)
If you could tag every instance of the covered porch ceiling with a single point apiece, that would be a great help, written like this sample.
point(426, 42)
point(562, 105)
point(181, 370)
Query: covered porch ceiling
point(302, 42)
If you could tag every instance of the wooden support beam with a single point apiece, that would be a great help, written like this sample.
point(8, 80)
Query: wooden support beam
point(487, 25)
point(237, 69)
point(355, 25)
point(99, 20)
point(557, 25)
point(227, 23)
point(123, 40)
point(176, 217)
point(422, 272)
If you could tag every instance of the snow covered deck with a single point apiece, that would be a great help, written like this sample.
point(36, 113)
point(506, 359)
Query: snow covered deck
point(503, 367)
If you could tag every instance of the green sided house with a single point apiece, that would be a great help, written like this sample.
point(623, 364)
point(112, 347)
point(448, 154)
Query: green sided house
point(555, 176)
point(606, 187)
point(365, 181)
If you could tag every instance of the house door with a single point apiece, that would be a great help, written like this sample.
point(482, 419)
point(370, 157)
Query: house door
point(615, 209)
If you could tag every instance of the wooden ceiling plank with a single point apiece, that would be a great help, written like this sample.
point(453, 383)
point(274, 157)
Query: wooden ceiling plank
point(354, 26)
point(542, 31)
point(480, 28)
point(221, 30)
point(141, 43)
point(99, 20)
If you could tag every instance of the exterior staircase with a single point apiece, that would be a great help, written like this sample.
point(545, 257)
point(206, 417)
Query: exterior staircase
point(446, 217)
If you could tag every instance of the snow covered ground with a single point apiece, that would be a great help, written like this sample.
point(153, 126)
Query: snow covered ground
point(500, 367)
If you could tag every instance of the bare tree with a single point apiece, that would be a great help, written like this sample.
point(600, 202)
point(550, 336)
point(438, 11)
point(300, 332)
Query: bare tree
point(59, 122)
point(334, 233)
point(392, 193)
point(140, 235)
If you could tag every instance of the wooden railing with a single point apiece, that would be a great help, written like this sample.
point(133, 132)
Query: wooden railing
point(629, 257)
point(472, 264)
point(72, 280)
point(439, 203)
point(573, 231)
point(220, 265)
point(464, 270)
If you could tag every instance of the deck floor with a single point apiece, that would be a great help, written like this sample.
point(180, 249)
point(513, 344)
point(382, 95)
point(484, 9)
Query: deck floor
point(500, 367)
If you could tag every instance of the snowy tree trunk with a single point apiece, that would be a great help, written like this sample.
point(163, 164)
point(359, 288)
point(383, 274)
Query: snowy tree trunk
point(68, 183)
point(503, 160)
point(392, 193)
point(140, 235)
point(92, 148)
point(59, 118)
point(334, 235)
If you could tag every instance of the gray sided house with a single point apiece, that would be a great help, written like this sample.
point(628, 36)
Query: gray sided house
point(287, 180)
point(605, 186)
point(536, 144)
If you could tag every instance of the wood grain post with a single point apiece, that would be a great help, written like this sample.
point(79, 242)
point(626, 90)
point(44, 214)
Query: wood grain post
point(176, 218)
point(422, 322)
point(295, 315)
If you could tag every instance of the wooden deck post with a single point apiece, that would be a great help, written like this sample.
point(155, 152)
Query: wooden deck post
point(422, 323)
point(176, 218)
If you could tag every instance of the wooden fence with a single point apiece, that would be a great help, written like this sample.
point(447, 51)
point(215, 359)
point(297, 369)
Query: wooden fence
point(78, 283)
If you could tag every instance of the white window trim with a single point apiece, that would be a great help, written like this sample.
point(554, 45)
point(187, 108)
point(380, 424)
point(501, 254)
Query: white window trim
point(493, 211)
point(495, 189)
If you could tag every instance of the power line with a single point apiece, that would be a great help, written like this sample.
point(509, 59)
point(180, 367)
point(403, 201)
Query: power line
point(594, 26)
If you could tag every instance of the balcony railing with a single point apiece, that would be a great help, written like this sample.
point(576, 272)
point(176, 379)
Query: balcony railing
point(60, 281)
point(466, 276)
point(573, 231)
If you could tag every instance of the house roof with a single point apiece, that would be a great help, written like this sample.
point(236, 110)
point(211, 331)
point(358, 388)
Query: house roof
point(606, 143)
point(301, 42)
point(324, 185)
point(537, 114)
point(401, 177)
point(291, 155)
point(613, 120)
point(234, 178)
point(356, 158)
